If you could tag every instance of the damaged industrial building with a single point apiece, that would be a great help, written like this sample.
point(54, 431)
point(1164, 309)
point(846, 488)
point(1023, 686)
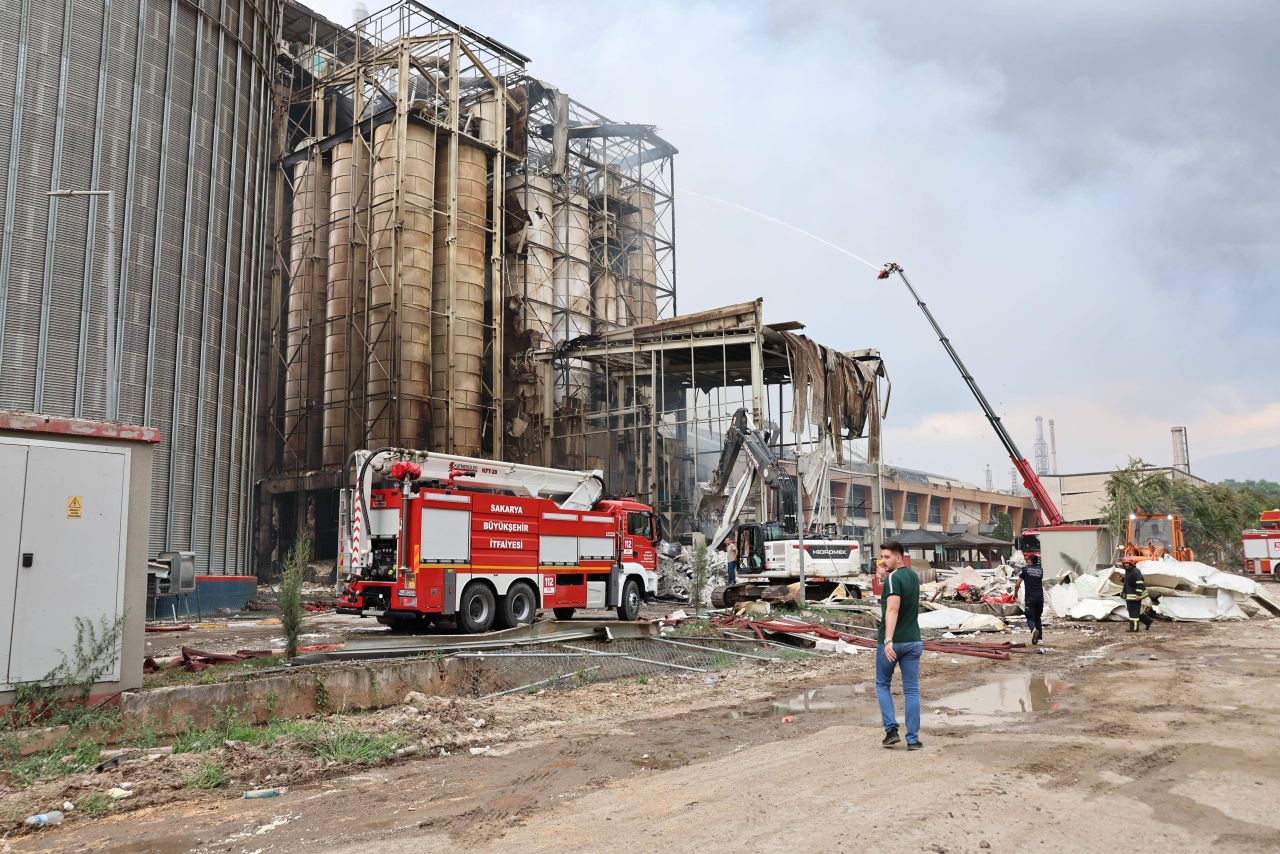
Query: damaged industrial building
point(467, 260)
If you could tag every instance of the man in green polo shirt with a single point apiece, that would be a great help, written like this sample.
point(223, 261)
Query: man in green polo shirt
point(899, 645)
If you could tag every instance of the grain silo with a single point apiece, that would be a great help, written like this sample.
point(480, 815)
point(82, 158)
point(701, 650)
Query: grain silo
point(463, 193)
point(573, 286)
point(165, 105)
point(344, 310)
point(308, 287)
point(532, 272)
point(398, 373)
point(458, 315)
point(637, 223)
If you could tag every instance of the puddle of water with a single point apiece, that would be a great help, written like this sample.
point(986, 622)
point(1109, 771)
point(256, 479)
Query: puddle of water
point(828, 699)
point(1000, 700)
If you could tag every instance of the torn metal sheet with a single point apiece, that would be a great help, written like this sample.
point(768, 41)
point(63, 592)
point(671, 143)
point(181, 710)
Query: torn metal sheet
point(1201, 608)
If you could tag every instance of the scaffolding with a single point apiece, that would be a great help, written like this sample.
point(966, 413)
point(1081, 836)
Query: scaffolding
point(439, 215)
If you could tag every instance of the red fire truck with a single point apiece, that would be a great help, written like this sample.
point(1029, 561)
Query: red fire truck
point(1262, 546)
point(424, 536)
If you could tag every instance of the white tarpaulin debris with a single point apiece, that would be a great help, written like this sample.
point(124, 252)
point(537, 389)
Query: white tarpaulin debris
point(1096, 609)
point(1062, 598)
point(1088, 586)
point(958, 620)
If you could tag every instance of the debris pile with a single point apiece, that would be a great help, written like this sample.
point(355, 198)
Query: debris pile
point(827, 639)
point(675, 574)
point(1179, 590)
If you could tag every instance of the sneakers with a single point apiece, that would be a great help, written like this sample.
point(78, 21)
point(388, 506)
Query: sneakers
point(914, 745)
point(890, 738)
point(1036, 636)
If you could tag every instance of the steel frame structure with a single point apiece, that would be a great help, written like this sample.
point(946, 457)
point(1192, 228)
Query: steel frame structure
point(448, 69)
point(664, 397)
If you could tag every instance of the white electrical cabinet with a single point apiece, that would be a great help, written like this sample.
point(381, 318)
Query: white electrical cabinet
point(63, 516)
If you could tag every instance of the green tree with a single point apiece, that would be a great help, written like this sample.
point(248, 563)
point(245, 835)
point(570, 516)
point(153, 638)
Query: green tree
point(701, 569)
point(1004, 527)
point(289, 599)
point(1267, 490)
point(1213, 515)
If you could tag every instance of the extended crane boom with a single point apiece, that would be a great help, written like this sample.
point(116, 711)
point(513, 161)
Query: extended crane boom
point(1048, 510)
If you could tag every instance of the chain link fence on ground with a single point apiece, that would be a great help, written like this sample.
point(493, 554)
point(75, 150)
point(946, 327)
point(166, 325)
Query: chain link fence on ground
point(555, 666)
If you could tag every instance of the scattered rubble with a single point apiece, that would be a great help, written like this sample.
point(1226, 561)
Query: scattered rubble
point(675, 574)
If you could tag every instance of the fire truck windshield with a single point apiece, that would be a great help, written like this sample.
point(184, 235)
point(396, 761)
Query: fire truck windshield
point(640, 525)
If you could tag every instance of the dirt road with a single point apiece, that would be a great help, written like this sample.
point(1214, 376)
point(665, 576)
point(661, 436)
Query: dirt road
point(1108, 742)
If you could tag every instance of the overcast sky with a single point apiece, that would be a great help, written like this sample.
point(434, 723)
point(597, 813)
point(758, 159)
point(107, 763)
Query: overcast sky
point(1087, 195)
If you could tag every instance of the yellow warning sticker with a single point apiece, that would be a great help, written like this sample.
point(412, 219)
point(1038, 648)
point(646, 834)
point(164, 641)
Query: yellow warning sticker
point(75, 506)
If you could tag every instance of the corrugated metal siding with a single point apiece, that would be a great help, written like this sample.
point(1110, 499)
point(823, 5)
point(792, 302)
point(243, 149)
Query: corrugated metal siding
point(185, 272)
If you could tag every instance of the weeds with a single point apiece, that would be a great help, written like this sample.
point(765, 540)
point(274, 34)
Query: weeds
point(228, 725)
point(289, 599)
point(324, 703)
point(94, 804)
point(70, 755)
point(61, 696)
point(721, 662)
point(345, 745)
point(209, 776)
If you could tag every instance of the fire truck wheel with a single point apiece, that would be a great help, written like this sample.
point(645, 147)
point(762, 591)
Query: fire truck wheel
point(629, 606)
point(564, 613)
point(518, 607)
point(477, 609)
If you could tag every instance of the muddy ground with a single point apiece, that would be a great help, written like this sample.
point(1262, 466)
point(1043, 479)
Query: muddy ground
point(1160, 741)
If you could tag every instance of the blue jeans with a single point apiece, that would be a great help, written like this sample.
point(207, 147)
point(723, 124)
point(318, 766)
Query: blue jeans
point(909, 659)
point(733, 571)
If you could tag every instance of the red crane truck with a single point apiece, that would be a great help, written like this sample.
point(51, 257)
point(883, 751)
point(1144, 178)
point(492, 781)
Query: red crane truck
point(1047, 510)
point(424, 536)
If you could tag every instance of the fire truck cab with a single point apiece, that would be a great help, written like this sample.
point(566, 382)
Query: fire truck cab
point(1262, 546)
point(487, 544)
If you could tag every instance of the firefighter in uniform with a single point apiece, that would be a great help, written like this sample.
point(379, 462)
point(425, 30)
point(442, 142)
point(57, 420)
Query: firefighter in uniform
point(1135, 590)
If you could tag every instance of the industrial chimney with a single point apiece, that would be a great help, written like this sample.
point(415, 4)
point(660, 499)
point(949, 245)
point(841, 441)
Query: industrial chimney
point(1053, 449)
point(989, 479)
point(1042, 450)
point(1181, 452)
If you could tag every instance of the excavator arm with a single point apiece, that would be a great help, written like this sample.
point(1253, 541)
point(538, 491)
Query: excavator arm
point(715, 507)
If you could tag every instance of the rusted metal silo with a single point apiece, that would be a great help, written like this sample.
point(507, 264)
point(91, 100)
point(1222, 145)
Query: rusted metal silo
point(398, 381)
point(308, 287)
point(458, 324)
point(344, 309)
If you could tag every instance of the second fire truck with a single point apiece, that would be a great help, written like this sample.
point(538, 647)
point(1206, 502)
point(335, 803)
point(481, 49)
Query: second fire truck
point(424, 536)
point(1262, 546)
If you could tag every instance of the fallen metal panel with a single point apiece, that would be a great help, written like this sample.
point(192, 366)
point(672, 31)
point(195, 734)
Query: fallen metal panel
point(547, 631)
